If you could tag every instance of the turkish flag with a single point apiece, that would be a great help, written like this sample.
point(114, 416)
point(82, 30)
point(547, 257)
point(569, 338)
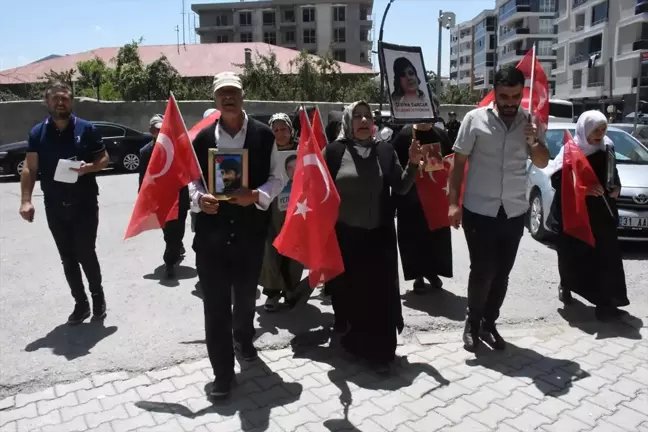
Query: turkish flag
point(308, 233)
point(318, 128)
point(173, 166)
point(540, 85)
point(577, 178)
point(449, 161)
point(202, 124)
point(433, 188)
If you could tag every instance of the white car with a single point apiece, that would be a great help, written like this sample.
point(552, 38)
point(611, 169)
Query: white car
point(632, 164)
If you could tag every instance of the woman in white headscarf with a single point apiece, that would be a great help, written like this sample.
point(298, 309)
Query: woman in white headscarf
point(280, 275)
point(595, 273)
point(366, 297)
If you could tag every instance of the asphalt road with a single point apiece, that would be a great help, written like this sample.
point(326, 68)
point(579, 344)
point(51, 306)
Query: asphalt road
point(151, 325)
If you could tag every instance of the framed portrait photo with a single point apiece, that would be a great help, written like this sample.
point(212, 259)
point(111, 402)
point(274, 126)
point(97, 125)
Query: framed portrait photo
point(228, 172)
point(410, 97)
point(288, 161)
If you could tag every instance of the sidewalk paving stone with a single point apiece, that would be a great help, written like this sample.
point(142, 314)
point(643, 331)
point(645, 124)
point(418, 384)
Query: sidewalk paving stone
point(549, 379)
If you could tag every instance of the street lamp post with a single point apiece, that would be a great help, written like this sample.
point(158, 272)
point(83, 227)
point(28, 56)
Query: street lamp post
point(447, 20)
point(380, 38)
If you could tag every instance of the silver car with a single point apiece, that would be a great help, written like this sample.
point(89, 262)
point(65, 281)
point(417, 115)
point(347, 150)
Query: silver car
point(632, 164)
point(641, 133)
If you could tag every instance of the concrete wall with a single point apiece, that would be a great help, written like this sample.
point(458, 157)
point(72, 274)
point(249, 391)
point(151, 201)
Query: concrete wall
point(17, 118)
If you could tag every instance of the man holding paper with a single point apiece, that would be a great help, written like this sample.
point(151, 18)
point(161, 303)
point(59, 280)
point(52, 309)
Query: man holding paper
point(67, 152)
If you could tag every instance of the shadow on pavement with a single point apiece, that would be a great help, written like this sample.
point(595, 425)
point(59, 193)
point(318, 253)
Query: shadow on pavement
point(634, 251)
point(182, 272)
point(73, 342)
point(253, 391)
point(300, 320)
point(437, 303)
point(581, 316)
point(552, 377)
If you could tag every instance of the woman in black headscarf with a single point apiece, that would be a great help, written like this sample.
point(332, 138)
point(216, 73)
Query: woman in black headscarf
point(424, 253)
point(366, 297)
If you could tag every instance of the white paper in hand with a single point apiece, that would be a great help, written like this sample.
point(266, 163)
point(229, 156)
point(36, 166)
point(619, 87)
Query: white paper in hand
point(63, 172)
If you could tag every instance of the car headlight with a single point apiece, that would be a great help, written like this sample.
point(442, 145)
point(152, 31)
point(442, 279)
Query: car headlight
point(3, 155)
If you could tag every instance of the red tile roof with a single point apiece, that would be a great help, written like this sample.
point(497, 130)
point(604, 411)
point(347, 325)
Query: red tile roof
point(196, 60)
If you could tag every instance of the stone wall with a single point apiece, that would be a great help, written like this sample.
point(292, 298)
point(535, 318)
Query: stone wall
point(17, 118)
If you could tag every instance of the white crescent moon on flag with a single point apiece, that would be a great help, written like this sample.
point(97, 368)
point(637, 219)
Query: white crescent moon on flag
point(167, 144)
point(311, 159)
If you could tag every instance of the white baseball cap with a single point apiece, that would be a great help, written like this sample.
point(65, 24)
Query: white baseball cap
point(227, 79)
point(156, 121)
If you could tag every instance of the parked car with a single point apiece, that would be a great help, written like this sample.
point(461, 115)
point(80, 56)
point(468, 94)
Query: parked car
point(122, 143)
point(641, 133)
point(632, 164)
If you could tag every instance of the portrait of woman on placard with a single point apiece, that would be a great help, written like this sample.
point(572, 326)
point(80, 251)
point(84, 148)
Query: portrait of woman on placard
point(406, 82)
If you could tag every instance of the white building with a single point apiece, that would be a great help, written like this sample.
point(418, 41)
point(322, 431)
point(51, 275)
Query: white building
point(613, 32)
point(472, 52)
point(521, 23)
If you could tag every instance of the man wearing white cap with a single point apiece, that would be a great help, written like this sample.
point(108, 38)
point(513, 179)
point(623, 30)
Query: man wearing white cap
point(173, 230)
point(230, 235)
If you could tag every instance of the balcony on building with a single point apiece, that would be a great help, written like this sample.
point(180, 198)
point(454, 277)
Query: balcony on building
point(510, 33)
point(583, 50)
point(578, 3)
point(642, 7)
point(515, 9)
point(287, 17)
point(216, 21)
point(596, 76)
point(632, 38)
point(365, 16)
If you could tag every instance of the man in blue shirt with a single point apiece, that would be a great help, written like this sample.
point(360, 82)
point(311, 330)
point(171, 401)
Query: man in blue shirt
point(71, 209)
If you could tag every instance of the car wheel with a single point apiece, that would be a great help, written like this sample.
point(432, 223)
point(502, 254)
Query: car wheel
point(18, 167)
point(130, 162)
point(536, 217)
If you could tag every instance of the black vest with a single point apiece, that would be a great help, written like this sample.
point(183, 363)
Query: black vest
point(233, 221)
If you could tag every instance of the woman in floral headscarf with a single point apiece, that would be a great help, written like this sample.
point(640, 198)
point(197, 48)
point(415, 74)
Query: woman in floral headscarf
point(366, 297)
point(595, 273)
point(280, 275)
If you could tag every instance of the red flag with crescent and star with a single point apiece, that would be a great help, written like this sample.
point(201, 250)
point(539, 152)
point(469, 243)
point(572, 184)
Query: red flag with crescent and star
point(433, 188)
point(577, 178)
point(210, 119)
point(173, 166)
point(308, 233)
point(318, 128)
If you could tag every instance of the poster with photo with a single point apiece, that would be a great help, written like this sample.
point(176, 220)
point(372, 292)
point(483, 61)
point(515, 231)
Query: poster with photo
point(288, 160)
point(228, 172)
point(404, 73)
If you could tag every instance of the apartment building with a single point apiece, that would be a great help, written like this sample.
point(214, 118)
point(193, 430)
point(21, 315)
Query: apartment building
point(473, 46)
point(599, 46)
point(342, 28)
point(523, 23)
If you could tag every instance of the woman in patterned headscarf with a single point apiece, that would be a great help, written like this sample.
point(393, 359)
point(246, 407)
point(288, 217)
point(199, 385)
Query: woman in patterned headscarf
point(280, 275)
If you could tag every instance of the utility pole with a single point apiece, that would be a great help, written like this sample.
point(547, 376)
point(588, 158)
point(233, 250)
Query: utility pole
point(611, 62)
point(183, 23)
point(177, 30)
point(636, 113)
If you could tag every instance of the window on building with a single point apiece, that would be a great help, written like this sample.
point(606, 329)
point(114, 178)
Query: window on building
point(222, 21)
point(246, 37)
point(363, 58)
point(339, 55)
point(364, 35)
point(600, 13)
point(289, 15)
point(270, 38)
point(289, 37)
point(364, 13)
point(339, 13)
point(547, 6)
point(545, 47)
point(492, 42)
point(309, 36)
point(222, 38)
point(339, 35)
point(269, 18)
point(308, 14)
point(245, 19)
point(596, 76)
point(546, 26)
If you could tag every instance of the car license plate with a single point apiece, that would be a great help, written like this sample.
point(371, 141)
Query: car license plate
point(633, 222)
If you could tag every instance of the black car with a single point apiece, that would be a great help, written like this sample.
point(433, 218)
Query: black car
point(122, 143)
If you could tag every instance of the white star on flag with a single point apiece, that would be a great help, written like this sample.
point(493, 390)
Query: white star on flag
point(302, 208)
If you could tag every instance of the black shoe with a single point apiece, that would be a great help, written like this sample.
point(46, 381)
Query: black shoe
point(564, 295)
point(81, 313)
point(419, 286)
point(491, 336)
point(221, 388)
point(98, 306)
point(246, 351)
point(183, 252)
point(607, 313)
point(170, 272)
point(436, 283)
point(471, 336)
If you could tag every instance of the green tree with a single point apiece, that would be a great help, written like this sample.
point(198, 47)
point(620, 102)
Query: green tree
point(92, 75)
point(455, 95)
point(161, 77)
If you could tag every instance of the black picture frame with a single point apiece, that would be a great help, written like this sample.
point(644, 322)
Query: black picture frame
point(434, 110)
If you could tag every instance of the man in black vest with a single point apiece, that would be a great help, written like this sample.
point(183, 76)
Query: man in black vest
point(173, 230)
point(230, 235)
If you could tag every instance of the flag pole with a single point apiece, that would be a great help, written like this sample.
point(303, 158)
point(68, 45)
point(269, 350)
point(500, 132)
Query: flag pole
point(193, 151)
point(533, 64)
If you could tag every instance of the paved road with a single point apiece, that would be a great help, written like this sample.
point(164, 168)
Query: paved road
point(150, 325)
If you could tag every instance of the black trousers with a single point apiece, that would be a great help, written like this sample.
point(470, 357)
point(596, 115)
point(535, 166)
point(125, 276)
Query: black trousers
point(174, 232)
point(74, 229)
point(492, 245)
point(229, 274)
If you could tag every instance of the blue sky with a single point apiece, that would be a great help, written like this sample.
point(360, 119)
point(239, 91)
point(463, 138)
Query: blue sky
point(32, 29)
